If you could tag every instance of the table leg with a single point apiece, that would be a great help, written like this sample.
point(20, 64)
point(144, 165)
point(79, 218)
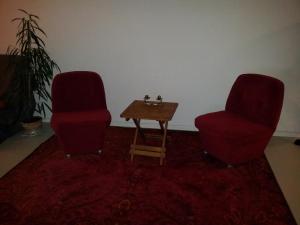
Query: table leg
point(161, 124)
point(135, 138)
point(163, 153)
point(165, 134)
point(137, 124)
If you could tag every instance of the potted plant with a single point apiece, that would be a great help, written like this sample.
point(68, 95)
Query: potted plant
point(35, 68)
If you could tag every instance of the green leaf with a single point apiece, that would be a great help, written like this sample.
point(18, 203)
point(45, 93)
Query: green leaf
point(22, 10)
point(16, 19)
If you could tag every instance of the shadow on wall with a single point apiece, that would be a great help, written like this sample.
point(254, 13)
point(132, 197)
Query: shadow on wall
point(277, 54)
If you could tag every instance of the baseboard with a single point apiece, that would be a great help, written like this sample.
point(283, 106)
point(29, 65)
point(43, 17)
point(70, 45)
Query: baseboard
point(187, 127)
point(281, 133)
point(153, 124)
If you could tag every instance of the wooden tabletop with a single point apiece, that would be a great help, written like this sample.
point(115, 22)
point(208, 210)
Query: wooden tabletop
point(140, 110)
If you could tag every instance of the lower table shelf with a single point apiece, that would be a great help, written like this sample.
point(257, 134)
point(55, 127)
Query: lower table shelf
point(148, 151)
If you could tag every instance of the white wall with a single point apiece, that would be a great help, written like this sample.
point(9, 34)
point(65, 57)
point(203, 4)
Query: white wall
point(188, 51)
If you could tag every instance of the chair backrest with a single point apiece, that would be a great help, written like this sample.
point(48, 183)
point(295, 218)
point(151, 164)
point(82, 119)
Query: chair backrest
point(257, 97)
point(77, 91)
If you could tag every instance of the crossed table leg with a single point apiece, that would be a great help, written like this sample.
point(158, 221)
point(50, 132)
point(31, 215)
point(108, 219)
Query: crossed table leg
point(149, 150)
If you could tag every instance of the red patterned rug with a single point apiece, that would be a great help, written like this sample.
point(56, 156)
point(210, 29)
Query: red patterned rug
point(108, 189)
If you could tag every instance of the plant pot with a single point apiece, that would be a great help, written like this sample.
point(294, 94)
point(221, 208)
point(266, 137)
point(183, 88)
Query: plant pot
point(32, 125)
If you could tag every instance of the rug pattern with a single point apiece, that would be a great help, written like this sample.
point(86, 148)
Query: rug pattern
point(109, 189)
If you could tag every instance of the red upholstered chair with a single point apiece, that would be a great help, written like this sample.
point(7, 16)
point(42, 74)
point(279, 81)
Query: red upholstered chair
point(80, 116)
point(242, 131)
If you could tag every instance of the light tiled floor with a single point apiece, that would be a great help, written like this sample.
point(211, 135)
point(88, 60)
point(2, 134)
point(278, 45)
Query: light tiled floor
point(18, 147)
point(282, 154)
point(284, 158)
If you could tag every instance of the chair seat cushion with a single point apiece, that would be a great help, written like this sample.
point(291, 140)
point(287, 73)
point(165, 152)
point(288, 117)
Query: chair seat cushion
point(232, 138)
point(81, 132)
point(231, 126)
point(81, 117)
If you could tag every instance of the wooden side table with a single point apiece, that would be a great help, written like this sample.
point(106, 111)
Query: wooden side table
point(162, 113)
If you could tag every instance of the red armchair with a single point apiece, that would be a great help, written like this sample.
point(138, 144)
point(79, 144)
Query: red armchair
point(242, 131)
point(80, 116)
